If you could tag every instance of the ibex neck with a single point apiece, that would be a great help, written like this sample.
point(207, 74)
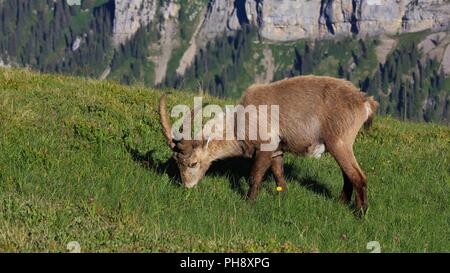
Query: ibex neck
point(220, 149)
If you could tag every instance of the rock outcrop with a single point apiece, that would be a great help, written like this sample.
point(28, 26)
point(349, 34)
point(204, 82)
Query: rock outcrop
point(168, 29)
point(437, 46)
point(229, 15)
point(446, 61)
point(129, 16)
point(189, 55)
point(287, 20)
point(425, 14)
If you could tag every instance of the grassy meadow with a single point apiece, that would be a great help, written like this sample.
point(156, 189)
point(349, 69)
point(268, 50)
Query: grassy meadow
point(85, 161)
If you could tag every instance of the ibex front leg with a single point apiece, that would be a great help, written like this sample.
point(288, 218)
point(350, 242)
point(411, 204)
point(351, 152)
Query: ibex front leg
point(262, 162)
point(277, 170)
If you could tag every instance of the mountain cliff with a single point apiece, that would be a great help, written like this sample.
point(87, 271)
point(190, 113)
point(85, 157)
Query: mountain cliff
point(292, 20)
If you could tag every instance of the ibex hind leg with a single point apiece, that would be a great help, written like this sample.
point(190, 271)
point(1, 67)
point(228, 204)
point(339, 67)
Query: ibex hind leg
point(354, 178)
point(347, 189)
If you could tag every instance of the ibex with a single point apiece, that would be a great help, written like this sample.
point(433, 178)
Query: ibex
point(316, 114)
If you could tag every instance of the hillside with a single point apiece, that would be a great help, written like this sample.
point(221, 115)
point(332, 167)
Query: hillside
point(399, 51)
point(85, 161)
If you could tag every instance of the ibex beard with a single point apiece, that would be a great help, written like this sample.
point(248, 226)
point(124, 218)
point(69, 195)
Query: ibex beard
point(305, 115)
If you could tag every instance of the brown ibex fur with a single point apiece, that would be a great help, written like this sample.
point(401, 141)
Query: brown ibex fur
point(315, 114)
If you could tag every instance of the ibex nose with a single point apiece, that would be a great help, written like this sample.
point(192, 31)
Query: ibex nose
point(189, 185)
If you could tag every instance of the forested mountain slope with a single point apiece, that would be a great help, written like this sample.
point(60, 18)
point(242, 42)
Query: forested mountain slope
point(398, 51)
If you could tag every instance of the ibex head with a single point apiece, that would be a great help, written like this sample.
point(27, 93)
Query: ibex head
point(192, 156)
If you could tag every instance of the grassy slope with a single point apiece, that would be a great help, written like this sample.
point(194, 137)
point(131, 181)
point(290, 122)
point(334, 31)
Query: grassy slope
point(66, 174)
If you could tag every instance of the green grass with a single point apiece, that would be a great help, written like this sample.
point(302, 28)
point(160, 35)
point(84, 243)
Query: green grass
point(66, 174)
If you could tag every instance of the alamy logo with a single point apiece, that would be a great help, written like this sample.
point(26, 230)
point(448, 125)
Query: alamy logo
point(374, 246)
point(249, 123)
point(74, 247)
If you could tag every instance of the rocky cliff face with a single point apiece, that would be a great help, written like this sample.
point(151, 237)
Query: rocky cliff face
point(426, 14)
point(129, 15)
point(228, 15)
point(287, 20)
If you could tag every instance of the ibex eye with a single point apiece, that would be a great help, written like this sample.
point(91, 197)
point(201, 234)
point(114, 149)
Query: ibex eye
point(192, 165)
